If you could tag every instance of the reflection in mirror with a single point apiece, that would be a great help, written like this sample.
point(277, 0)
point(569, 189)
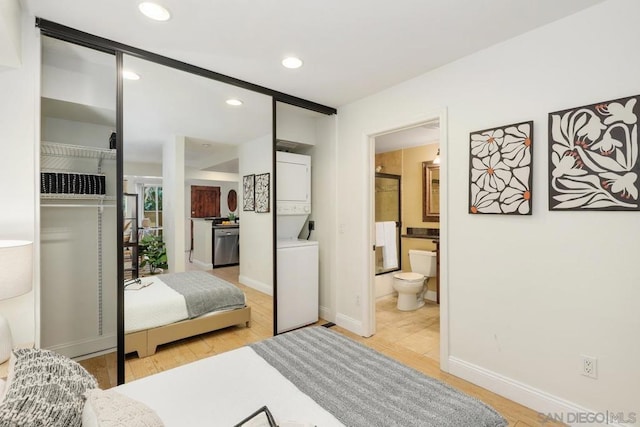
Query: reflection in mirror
point(387, 214)
point(78, 239)
point(430, 192)
point(185, 151)
point(305, 144)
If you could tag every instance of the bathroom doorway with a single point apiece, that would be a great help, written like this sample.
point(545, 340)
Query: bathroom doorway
point(402, 227)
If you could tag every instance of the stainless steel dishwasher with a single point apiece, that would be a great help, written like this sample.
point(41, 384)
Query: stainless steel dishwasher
point(226, 249)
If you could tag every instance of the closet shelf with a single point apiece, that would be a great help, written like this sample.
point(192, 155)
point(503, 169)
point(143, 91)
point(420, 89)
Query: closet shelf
point(66, 150)
point(64, 196)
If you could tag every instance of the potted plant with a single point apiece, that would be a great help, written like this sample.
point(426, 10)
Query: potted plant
point(154, 253)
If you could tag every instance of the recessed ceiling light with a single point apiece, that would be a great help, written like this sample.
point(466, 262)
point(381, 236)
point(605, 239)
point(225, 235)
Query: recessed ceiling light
point(206, 145)
point(292, 62)
point(234, 102)
point(130, 75)
point(154, 11)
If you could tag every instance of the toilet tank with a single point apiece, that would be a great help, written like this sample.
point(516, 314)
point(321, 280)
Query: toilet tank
point(423, 262)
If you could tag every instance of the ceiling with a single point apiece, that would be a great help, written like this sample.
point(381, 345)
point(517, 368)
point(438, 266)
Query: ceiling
point(350, 50)
point(424, 134)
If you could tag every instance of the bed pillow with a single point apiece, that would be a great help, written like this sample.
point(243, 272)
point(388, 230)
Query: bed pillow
point(108, 408)
point(44, 388)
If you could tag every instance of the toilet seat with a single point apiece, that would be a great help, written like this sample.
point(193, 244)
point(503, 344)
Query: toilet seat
point(409, 276)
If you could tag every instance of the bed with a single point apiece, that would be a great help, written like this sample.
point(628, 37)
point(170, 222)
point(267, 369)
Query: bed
point(168, 307)
point(308, 377)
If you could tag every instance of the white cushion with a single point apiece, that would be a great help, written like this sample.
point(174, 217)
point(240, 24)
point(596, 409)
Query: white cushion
point(44, 389)
point(108, 408)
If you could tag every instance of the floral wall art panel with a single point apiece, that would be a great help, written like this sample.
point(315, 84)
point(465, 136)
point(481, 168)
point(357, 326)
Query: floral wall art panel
point(500, 176)
point(593, 157)
point(262, 193)
point(248, 195)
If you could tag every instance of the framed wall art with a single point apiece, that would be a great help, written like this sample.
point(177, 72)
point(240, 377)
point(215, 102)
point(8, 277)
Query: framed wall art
point(500, 174)
point(248, 195)
point(262, 193)
point(593, 157)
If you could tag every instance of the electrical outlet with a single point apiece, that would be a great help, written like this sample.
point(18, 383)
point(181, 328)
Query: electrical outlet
point(357, 300)
point(589, 366)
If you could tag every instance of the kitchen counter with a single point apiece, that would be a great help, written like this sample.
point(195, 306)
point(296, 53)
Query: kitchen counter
point(226, 225)
point(204, 231)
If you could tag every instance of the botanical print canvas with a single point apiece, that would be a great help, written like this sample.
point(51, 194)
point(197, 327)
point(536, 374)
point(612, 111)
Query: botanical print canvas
point(593, 157)
point(262, 192)
point(500, 163)
point(248, 197)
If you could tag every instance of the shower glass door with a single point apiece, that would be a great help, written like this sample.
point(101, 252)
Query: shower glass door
point(387, 211)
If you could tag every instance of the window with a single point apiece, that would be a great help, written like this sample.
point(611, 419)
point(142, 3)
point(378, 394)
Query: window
point(153, 208)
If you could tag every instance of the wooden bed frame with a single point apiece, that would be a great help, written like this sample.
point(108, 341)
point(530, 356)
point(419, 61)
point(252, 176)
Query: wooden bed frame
point(146, 341)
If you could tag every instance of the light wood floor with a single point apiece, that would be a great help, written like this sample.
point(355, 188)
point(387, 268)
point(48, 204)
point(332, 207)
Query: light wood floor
point(412, 338)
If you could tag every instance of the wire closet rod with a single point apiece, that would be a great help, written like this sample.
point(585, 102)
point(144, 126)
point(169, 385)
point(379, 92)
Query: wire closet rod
point(62, 205)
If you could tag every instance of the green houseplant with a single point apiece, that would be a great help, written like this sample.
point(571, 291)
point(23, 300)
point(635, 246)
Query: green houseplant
point(153, 253)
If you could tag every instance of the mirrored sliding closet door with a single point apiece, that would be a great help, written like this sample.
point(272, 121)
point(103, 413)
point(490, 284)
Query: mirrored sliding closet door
point(78, 252)
point(195, 153)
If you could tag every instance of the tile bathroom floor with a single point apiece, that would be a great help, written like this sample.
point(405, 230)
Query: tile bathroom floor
point(417, 330)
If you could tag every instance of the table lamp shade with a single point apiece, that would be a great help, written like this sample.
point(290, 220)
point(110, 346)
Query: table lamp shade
point(16, 278)
point(16, 268)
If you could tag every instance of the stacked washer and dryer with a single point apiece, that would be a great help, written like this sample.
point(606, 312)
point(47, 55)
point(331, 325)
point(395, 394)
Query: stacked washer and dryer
point(297, 265)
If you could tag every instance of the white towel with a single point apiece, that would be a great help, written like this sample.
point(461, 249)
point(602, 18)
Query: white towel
point(379, 235)
point(390, 249)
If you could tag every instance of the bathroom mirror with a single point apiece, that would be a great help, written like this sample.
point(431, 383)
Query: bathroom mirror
point(430, 192)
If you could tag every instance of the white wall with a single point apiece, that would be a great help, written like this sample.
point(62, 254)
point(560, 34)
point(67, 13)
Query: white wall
point(173, 216)
point(323, 212)
point(78, 81)
point(256, 229)
point(527, 295)
point(10, 29)
point(142, 170)
point(19, 123)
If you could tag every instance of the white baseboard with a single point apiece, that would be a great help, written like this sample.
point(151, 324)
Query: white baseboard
point(202, 265)
point(77, 349)
point(431, 296)
point(545, 403)
point(327, 314)
point(254, 284)
point(96, 354)
point(349, 324)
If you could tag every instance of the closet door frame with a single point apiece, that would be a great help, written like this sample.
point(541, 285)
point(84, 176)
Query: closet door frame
point(71, 35)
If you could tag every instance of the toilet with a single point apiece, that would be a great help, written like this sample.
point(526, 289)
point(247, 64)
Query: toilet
point(411, 286)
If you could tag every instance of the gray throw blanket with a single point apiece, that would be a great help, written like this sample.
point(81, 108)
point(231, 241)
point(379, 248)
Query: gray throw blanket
point(362, 387)
point(204, 292)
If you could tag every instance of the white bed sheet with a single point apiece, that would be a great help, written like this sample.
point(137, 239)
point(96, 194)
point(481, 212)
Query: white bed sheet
point(153, 306)
point(224, 389)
